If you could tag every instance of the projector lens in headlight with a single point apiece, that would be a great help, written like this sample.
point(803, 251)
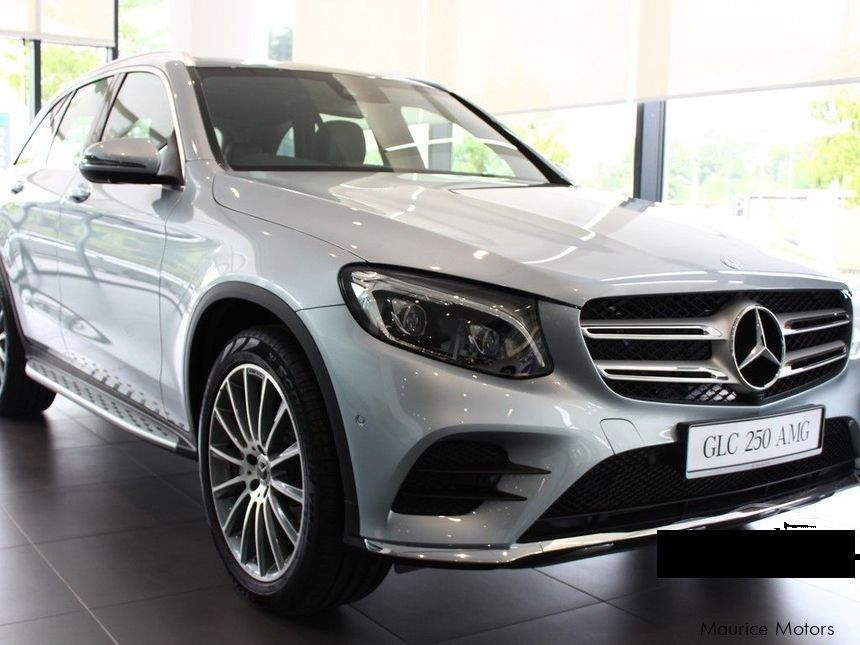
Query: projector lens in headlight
point(457, 322)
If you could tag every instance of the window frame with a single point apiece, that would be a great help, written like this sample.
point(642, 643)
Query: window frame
point(62, 98)
point(111, 79)
point(115, 73)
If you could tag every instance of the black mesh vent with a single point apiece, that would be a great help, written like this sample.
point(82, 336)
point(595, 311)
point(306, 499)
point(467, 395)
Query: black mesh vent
point(698, 305)
point(813, 338)
point(649, 484)
point(456, 476)
point(680, 392)
point(804, 380)
point(703, 305)
point(649, 350)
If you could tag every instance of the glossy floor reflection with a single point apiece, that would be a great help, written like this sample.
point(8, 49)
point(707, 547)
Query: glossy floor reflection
point(102, 539)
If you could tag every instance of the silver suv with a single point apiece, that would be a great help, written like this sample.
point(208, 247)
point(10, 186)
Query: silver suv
point(390, 330)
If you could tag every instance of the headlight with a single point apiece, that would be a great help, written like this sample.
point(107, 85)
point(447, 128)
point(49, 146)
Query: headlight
point(456, 322)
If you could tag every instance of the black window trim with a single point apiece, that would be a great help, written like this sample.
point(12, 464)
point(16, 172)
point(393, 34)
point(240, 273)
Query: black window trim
point(71, 96)
point(37, 123)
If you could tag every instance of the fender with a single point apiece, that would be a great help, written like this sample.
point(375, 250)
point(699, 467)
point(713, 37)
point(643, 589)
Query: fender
point(290, 319)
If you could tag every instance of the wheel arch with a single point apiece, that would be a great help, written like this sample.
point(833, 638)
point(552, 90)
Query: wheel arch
point(269, 304)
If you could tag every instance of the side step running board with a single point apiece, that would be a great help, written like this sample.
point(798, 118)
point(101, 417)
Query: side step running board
point(106, 405)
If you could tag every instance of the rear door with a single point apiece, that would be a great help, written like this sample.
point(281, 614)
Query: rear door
point(112, 240)
point(29, 216)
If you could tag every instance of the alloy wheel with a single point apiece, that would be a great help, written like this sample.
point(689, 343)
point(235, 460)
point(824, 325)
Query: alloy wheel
point(256, 471)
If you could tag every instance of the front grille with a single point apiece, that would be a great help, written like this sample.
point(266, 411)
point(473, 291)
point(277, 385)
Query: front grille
point(648, 486)
point(675, 348)
point(702, 305)
point(454, 477)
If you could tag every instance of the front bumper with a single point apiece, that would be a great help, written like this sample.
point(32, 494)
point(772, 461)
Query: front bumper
point(594, 544)
point(396, 404)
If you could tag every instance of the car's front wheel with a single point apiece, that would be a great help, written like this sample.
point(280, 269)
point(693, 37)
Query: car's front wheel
point(271, 482)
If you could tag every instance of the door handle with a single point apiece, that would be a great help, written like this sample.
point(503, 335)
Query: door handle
point(80, 193)
point(17, 187)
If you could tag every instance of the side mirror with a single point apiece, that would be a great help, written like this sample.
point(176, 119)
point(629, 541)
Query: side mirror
point(124, 161)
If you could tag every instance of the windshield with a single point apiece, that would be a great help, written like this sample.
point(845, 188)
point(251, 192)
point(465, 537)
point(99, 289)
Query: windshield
point(273, 119)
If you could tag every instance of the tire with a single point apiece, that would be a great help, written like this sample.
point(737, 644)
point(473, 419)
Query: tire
point(269, 470)
point(19, 395)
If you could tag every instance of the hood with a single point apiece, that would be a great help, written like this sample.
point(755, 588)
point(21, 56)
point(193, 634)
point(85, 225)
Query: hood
point(564, 243)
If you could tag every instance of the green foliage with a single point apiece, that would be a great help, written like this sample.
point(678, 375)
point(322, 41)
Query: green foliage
point(14, 65)
point(472, 156)
point(836, 159)
point(543, 133)
point(142, 26)
point(615, 176)
point(717, 165)
point(61, 64)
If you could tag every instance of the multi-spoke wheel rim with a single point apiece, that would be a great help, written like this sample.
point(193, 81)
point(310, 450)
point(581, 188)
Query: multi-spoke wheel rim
point(3, 338)
point(256, 472)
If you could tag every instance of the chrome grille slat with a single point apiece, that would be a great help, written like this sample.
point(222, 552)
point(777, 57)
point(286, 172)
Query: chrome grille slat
point(830, 318)
point(650, 330)
point(624, 336)
point(818, 350)
point(657, 371)
point(836, 352)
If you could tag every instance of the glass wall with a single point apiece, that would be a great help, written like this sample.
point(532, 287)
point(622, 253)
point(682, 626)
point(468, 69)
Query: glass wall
point(143, 26)
point(777, 167)
point(15, 95)
point(594, 145)
point(61, 64)
point(281, 16)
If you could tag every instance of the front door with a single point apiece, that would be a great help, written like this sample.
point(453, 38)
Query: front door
point(111, 242)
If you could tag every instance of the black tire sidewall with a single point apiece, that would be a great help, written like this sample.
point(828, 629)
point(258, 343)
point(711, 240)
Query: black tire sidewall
point(13, 350)
point(253, 348)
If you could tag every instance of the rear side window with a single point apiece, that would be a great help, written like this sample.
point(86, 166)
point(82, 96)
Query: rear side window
point(141, 111)
point(36, 150)
point(77, 122)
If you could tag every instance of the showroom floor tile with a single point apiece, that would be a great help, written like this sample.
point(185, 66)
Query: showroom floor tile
point(102, 540)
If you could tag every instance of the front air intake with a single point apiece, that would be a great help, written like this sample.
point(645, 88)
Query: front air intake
point(455, 477)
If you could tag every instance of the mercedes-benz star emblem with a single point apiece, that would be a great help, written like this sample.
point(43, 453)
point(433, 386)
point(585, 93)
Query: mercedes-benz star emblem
point(758, 347)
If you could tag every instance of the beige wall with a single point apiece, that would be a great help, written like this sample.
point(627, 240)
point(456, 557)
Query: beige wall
point(220, 28)
point(513, 55)
point(74, 21)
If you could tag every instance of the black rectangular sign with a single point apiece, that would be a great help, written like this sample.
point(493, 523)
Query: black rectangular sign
point(755, 553)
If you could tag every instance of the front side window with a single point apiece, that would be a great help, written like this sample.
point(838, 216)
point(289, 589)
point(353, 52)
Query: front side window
point(36, 150)
point(141, 111)
point(274, 119)
point(76, 125)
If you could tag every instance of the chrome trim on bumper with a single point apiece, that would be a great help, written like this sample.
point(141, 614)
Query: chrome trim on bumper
point(597, 542)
